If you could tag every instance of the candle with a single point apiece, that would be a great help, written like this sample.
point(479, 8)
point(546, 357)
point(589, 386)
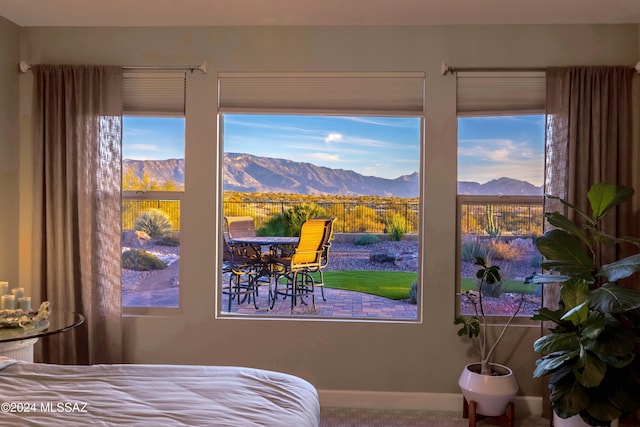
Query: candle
point(24, 303)
point(4, 288)
point(17, 292)
point(8, 302)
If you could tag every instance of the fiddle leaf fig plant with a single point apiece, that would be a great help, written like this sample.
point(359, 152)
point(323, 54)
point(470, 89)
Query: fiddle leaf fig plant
point(592, 353)
point(475, 327)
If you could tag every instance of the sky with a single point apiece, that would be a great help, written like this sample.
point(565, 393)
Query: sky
point(495, 147)
point(387, 147)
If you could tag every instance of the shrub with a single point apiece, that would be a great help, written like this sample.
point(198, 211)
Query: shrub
point(290, 222)
point(472, 249)
point(298, 214)
point(367, 239)
point(169, 241)
point(505, 251)
point(396, 226)
point(274, 226)
point(155, 223)
point(413, 293)
point(141, 260)
point(492, 290)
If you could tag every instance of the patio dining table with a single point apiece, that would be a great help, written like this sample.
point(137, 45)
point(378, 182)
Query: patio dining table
point(277, 245)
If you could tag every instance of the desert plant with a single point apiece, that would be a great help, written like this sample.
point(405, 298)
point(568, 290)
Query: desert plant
point(155, 223)
point(475, 327)
point(172, 240)
point(141, 260)
point(472, 249)
point(591, 355)
point(413, 293)
point(504, 250)
point(493, 228)
point(396, 226)
point(367, 239)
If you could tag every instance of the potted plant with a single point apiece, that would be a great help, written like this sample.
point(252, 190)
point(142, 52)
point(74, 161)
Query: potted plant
point(488, 387)
point(591, 354)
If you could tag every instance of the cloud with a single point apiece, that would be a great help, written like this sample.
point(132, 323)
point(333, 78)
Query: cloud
point(324, 157)
point(142, 147)
point(333, 137)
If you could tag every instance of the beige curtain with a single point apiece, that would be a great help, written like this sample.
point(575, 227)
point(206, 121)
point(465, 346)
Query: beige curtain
point(592, 135)
point(590, 138)
point(77, 152)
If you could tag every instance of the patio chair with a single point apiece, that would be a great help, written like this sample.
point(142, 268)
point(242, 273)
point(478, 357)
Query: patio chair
point(244, 226)
point(240, 226)
point(324, 260)
point(306, 257)
point(243, 266)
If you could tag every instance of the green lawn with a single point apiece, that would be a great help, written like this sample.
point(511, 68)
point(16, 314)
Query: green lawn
point(389, 284)
point(512, 286)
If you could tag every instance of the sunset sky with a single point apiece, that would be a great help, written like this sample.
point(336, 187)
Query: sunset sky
point(489, 147)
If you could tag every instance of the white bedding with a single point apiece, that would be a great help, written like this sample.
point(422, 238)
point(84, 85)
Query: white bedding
point(153, 395)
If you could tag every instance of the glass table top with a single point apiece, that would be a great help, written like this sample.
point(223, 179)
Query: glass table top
point(58, 321)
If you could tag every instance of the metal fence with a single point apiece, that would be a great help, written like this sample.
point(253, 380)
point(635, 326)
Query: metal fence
point(132, 208)
point(500, 215)
point(356, 217)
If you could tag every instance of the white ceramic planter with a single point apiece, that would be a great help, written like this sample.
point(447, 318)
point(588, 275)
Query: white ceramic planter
point(492, 393)
point(575, 421)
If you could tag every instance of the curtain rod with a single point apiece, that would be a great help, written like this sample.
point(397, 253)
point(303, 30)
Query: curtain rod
point(447, 69)
point(24, 67)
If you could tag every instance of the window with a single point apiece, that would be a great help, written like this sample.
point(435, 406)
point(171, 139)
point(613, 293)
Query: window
point(299, 146)
point(500, 185)
point(152, 189)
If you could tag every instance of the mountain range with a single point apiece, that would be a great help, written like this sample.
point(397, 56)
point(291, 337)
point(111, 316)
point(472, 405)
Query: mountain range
point(249, 173)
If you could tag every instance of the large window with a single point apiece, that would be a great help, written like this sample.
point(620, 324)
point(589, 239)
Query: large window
point(153, 166)
point(329, 145)
point(362, 171)
point(500, 186)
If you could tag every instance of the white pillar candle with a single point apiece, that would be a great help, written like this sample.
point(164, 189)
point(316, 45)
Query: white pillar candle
point(4, 288)
point(24, 303)
point(17, 292)
point(8, 302)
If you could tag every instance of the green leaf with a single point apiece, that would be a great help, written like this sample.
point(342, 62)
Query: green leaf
point(567, 341)
point(621, 269)
point(575, 208)
point(603, 197)
point(553, 361)
point(611, 298)
point(568, 397)
point(578, 314)
point(548, 278)
point(544, 314)
point(594, 326)
point(574, 292)
point(564, 253)
point(560, 221)
point(589, 370)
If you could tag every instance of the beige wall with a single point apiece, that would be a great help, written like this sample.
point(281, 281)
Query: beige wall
point(9, 151)
point(424, 357)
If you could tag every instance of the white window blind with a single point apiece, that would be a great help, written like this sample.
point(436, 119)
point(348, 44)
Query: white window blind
point(483, 93)
point(390, 94)
point(154, 93)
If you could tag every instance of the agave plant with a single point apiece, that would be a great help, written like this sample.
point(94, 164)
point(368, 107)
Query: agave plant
point(591, 355)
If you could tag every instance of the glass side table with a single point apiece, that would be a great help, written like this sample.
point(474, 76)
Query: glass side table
point(17, 343)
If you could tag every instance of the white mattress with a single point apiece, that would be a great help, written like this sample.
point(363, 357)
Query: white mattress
point(153, 395)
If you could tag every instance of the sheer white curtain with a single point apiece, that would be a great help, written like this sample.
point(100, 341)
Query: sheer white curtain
point(76, 251)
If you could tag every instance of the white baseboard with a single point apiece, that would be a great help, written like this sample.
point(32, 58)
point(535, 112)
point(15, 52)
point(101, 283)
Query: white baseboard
point(452, 402)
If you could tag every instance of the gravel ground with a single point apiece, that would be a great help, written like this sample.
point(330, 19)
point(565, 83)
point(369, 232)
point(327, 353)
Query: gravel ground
point(347, 256)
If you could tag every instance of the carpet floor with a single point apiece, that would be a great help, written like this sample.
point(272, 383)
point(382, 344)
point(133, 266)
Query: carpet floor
point(357, 417)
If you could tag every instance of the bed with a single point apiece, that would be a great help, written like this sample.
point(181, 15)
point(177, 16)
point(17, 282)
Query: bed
point(153, 395)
